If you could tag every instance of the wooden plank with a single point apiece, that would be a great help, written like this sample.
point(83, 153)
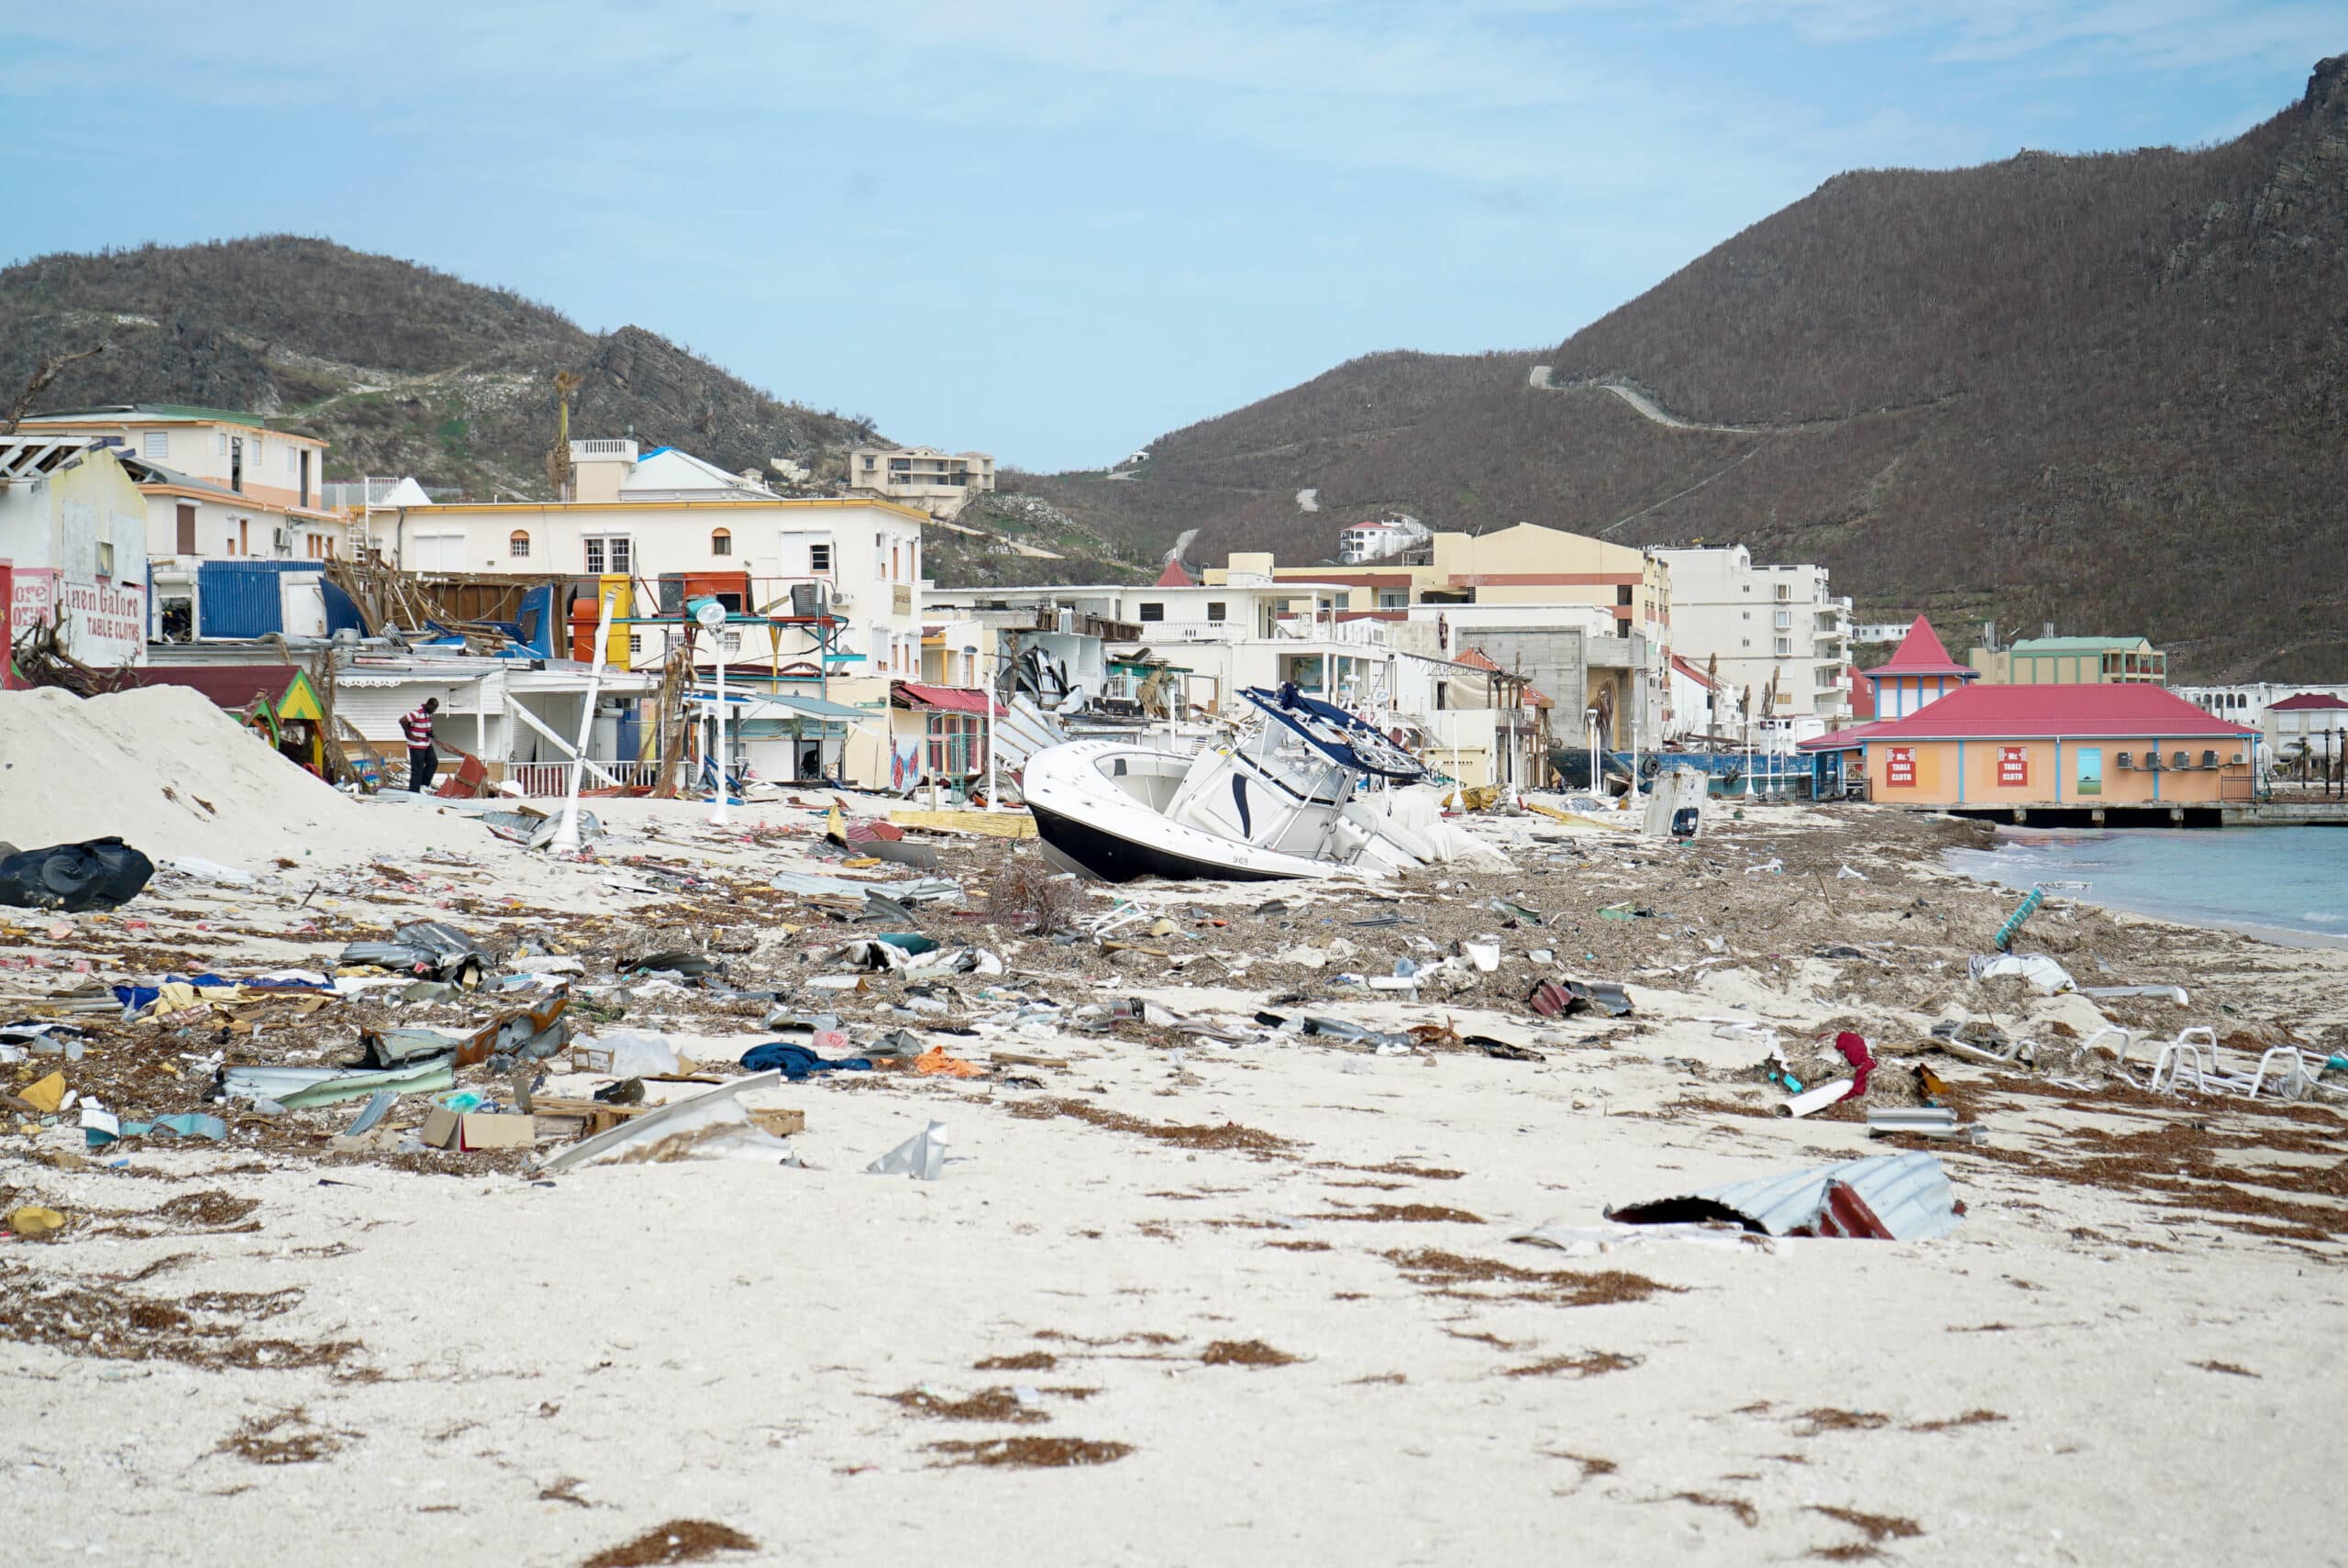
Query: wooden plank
point(993, 824)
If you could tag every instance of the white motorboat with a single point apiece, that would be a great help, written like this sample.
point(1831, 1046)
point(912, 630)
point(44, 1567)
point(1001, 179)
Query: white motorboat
point(1284, 800)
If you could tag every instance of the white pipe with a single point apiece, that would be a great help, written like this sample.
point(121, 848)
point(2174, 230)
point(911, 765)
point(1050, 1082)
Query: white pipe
point(993, 793)
point(1818, 1098)
point(566, 832)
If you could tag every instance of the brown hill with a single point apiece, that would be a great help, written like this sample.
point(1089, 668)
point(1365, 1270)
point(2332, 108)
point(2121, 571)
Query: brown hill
point(2110, 392)
point(404, 369)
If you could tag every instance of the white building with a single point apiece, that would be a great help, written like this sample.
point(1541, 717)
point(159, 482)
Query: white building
point(1375, 541)
point(2284, 712)
point(1776, 630)
point(831, 587)
point(73, 547)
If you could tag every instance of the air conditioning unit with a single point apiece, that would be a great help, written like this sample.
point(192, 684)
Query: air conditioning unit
point(2181, 762)
point(284, 539)
point(2125, 762)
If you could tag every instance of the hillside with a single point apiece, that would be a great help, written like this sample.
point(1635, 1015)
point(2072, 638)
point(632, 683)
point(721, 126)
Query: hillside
point(404, 369)
point(2109, 392)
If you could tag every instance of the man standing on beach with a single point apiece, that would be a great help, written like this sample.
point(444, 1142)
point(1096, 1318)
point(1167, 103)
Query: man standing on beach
point(422, 762)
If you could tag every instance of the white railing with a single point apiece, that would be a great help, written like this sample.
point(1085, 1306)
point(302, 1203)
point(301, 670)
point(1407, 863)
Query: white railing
point(541, 779)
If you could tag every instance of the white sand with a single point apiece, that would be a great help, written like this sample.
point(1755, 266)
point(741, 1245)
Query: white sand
point(718, 1341)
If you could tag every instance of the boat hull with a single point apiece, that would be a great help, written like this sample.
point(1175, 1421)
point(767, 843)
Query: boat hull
point(1113, 858)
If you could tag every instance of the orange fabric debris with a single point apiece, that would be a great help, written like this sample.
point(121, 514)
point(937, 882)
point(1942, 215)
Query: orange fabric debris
point(934, 1061)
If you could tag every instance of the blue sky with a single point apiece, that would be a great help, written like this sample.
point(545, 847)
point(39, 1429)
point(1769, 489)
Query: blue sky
point(1053, 231)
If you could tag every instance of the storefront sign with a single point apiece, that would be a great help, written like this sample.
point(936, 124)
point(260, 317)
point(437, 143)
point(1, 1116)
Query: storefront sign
point(2013, 766)
point(100, 623)
point(1899, 767)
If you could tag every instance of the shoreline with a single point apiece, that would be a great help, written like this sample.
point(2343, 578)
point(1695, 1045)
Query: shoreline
point(1956, 861)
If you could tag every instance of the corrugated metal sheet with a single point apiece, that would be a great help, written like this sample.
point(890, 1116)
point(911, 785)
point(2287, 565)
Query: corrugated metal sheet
point(247, 599)
point(1907, 1196)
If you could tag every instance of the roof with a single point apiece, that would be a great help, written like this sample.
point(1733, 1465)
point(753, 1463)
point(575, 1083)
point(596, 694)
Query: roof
point(232, 686)
point(155, 412)
point(2304, 701)
point(147, 472)
point(1174, 577)
point(2077, 644)
point(943, 698)
point(1920, 653)
point(665, 470)
point(2124, 712)
point(1862, 696)
point(1694, 674)
point(24, 457)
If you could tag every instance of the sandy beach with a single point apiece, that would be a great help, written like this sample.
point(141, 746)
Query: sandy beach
point(1191, 1288)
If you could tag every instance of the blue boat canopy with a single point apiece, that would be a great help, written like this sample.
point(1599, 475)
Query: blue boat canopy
point(1342, 737)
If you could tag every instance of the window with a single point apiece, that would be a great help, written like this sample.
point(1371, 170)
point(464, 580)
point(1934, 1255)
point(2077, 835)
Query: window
point(819, 559)
point(1392, 599)
point(594, 555)
point(721, 542)
point(293, 459)
point(1622, 593)
point(518, 545)
point(608, 555)
point(224, 442)
point(1214, 609)
point(733, 644)
point(156, 444)
point(1152, 610)
point(635, 643)
point(1785, 647)
point(105, 557)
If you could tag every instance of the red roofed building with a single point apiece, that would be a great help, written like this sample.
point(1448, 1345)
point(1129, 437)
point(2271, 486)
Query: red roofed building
point(2309, 722)
point(2087, 746)
point(1919, 673)
point(1174, 577)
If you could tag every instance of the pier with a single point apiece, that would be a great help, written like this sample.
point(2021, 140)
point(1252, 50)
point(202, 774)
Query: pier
point(2229, 813)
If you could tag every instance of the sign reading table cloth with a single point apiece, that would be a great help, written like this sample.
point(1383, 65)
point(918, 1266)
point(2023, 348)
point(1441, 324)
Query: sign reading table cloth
point(1899, 767)
point(2013, 765)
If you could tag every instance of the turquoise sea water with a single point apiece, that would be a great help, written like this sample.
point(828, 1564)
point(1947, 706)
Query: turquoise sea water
point(2284, 879)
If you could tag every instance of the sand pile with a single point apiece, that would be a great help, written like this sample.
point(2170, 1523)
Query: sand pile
point(173, 775)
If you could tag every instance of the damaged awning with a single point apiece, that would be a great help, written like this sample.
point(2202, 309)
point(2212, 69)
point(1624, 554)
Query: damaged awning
point(940, 698)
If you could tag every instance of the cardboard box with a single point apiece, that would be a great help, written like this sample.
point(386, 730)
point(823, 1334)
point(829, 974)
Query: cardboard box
point(471, 1130)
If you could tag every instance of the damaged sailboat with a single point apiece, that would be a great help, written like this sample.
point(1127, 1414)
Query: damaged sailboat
point(1285, 799)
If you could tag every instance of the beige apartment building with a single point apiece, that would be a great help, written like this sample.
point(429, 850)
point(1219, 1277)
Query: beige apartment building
point(940, 483)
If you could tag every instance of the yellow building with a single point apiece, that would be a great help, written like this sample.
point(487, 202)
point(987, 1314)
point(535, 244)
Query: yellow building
point(1526, 564)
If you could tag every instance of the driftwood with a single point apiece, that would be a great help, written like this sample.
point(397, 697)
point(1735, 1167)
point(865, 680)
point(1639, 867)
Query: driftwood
point(39, 658)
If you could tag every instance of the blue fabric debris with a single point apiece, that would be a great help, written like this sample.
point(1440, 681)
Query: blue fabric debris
point(796, 1061)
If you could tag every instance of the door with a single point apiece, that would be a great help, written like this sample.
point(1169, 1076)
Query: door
point(305, 605)
point(186, 529)
point(236, 464)
point(305, 476)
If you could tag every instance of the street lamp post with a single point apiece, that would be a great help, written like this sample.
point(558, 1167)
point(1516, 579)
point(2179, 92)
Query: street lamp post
point(711, 616)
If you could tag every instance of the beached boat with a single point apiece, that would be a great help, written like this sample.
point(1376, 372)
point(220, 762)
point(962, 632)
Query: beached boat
point(1283, 800)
